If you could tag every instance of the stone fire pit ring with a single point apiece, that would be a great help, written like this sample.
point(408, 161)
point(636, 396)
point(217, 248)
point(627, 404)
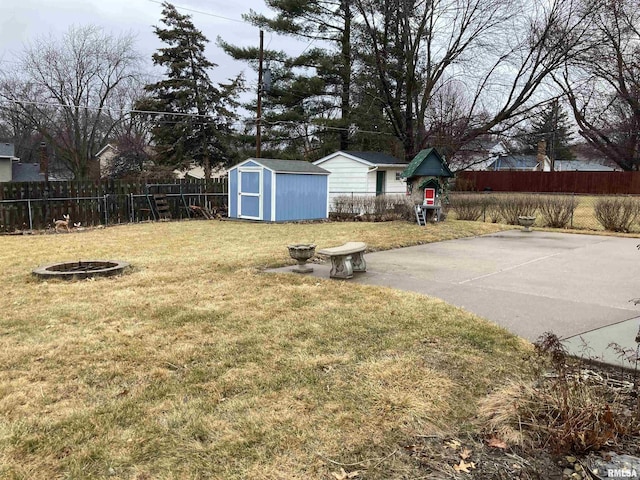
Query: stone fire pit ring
point(81, 269)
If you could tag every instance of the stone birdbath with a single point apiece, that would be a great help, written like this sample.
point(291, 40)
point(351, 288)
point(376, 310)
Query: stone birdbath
point(302, 252)
point(526, 222)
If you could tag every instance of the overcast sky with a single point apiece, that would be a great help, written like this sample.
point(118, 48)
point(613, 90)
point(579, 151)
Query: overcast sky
point(24, 20)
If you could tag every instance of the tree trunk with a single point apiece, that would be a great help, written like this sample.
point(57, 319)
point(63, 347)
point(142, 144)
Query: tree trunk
point(207, 167)
point(345, 73)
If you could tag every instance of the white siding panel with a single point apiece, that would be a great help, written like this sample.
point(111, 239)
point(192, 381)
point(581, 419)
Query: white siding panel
point(395, 186)
point(371, 182)
point(347, 176)
point(391, 185)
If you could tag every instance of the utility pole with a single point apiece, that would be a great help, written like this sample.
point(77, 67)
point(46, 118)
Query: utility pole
point(259, 109)
point(552, 150)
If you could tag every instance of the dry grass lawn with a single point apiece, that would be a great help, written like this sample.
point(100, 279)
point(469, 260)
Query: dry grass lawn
point(198, 365)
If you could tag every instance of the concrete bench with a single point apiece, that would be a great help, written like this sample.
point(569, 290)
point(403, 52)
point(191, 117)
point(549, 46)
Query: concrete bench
point(346, 259)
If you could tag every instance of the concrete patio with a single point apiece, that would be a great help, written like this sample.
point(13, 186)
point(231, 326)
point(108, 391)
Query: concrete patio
point(580, 287)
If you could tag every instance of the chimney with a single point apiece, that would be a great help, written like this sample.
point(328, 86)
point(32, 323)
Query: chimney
point(542, 152)
point(44, 161)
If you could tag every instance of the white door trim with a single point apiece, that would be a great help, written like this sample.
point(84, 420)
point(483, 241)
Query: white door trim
point(241, 194)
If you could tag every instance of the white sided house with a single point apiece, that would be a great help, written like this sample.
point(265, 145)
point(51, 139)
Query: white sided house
point(363, 173)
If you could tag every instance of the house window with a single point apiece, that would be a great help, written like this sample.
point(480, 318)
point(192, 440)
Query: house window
point(398, 177)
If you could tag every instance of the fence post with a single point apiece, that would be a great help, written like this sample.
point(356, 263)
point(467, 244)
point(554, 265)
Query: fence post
point(106, 214)
point(30, 216)
point(47, 206)
point(573, 197)
point(131, 210)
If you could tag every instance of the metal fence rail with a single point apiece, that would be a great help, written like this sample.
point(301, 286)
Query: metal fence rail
point(36, 205)
point(108, 209)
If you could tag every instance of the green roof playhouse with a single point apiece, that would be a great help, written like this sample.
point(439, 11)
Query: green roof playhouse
point(427, 178)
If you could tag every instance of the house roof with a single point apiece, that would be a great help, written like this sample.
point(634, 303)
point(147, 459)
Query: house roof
point(427, 163)
point(372, 159)
point(288, 166)
point(26, 172)
point(481, 146)
point(197, 171)
point(108, 146)
point(514, 162)
point(7, 150)
point(581, 166)
point(376, 158)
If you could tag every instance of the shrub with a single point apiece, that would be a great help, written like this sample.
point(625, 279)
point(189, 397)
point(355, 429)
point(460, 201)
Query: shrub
point(398, 207)
point(557, 210)
point(492, 211)
point(373, 208)
point(468, 206)
point(510, 207)
point(561, 409)
point(380, 208)
point(616, 214)
point(404, 209)
point(345, 206)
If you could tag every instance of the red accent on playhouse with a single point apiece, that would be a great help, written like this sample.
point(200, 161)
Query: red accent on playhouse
point(430, 196)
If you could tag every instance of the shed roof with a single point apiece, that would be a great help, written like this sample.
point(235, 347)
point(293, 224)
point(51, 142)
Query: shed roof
point(427, 163)
point(26, 172)
point(7, 150)
point(289, 166)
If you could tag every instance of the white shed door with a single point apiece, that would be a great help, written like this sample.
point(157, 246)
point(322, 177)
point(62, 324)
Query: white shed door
point(250, 193)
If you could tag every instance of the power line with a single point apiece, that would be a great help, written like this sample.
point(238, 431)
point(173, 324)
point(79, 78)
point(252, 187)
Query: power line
point(192, 115)
point(204, 13)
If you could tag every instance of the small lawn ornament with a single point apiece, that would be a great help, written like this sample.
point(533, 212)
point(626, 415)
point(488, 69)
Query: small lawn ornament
point(62, 224)
point(301, 252)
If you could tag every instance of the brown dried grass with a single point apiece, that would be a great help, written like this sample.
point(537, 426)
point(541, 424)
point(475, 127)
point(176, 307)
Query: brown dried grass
point(535, 415)
point(196, 365)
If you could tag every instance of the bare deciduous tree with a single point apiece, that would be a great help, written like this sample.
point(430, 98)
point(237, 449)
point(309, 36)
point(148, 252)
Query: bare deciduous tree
point(69, 90)
point(499, 51)
point(602, 84)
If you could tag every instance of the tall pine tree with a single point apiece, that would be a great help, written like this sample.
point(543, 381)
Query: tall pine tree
point(318, 80)
point(551, 125)
point(197, 121)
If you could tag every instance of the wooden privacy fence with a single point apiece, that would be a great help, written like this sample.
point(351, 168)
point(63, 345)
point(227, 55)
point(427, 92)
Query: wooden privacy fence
point(35, 205)
point(594, 183)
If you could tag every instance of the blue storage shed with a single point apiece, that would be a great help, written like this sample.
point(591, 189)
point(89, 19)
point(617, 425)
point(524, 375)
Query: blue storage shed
point(278, 190)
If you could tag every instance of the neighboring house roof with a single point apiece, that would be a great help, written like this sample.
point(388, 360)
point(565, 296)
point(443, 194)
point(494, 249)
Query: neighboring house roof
point(372, 159)
point(514, 162)
point(427, 163)
point(588, 154)
point(477, 154)
point(483, 146)
point(7, 150)
point(107, 148)
point(197, 171)
point(26, 172)
point(287, 166)
point(581, 166)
